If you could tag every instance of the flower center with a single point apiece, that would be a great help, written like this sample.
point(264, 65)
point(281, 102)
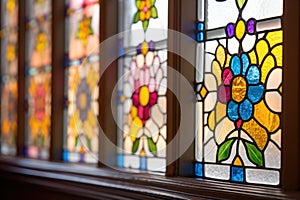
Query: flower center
point(145, 9)
point(239, 89)
point(144, 96)
point(82, 101)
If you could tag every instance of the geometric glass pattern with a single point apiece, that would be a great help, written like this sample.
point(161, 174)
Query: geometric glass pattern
point(142, 87)
point(38, 78)
point(82, 74)
point(9, 73)
point(239, 91)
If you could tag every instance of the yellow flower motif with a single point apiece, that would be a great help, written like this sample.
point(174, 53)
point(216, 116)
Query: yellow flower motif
point(267, 56)
point(85, 29)
point(11, 52)
point(41, 43)
point(9, 117)
point(146, 10)
point(11, 5)
point(83, 120)
point(39, 119)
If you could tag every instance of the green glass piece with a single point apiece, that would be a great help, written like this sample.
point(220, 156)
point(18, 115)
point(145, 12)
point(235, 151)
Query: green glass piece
point(135, 145)
point(154, 12)
point(145, 24)
point(152, 146)
point(88, 142)
point(136, 17)
point(224, 150)
point(153, 2)
point(254, 154)
point(138, 3)
point(241, 3)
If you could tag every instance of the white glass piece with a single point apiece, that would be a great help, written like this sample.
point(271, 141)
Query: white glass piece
point(261, 176)
point(210, 101)
point(199, 131)
point(276, 137)
point(223, 129)
point(156, 164)
point(273, 100)
point(275, 79)
point(131, 161)
point(272, 156)
point(248, 42)
point(210, 151)
point(259, 9)
point(199, 62)
point(217, 171)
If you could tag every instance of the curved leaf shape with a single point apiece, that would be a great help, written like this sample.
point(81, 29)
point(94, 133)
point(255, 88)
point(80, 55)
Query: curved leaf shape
point(254, 154)
point(153, 2)
point(145, 24)
point(154, 12)
point(138, 3)
point(241, 3)
point(135, 145)
point(88, 142)
point(76, 140)
point(136, 17)
point(152, 146)
point(225, 149)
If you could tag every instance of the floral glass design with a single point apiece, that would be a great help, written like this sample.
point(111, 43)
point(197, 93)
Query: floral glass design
point(83, 108)
point(82, 73)
point(83, 31)
point(239, 101)
point(9, 72)
point(40, 109)
point(142, 72)
point(146, 11)
point(38, 78)
point(144, 106)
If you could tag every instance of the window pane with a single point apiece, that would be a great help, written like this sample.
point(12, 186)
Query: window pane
point(142, 85)
point(38, 82)
point(82, 73)
point(9, 72)
point(239, 87)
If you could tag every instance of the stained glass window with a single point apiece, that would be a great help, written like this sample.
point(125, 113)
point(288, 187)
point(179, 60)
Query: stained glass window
point(239, 88)
point(82, 72)
point(38, 82)
point(9, 72)
point(142, 85)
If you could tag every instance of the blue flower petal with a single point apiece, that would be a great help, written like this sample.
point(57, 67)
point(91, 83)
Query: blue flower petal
point(246, 110)
point(235, 65)
point(255, 93)
point(245, 63)
point(232, 111)
point(253, 75)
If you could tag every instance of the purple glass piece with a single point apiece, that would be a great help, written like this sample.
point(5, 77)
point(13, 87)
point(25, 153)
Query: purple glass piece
point(151, 46)
point(251, 26)
point(230, 30)
point(139, 49)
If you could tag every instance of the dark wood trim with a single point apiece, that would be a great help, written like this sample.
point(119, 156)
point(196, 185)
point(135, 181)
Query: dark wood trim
point(108, 80)
point(291, 109)
point(21, 79)
point(89, 182)
point(173, 107)
point(58, 79)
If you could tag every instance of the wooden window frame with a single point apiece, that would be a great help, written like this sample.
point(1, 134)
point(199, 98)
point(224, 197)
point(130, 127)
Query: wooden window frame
point(102, 181)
